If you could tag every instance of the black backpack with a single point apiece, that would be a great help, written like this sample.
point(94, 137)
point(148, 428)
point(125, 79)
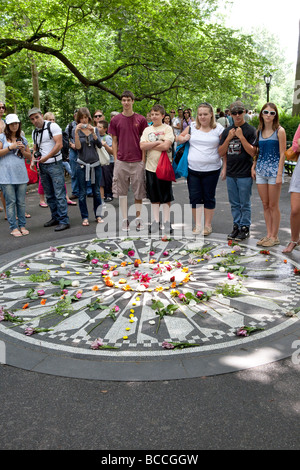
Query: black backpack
point(65, 138)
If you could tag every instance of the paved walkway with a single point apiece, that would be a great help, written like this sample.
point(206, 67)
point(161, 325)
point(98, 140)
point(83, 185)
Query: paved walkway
point(250, 358)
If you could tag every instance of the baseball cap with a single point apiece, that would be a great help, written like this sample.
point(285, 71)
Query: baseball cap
point(10, 118)
point(237, 106)
point(34, 111)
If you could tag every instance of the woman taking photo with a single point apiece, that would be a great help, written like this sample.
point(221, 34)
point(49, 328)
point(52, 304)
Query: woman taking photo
point(87, 138)
point(204, 165)
point(268, 170)
point(294, 190)
point(13, 174)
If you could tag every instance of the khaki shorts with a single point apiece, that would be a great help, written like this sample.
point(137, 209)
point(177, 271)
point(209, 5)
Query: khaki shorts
point(126, 174)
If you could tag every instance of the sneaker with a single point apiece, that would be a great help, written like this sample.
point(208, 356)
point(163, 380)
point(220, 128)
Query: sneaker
point(154, 227)
point(125, 225)
point(168, 227)
point(234, 233)
point(244, 233)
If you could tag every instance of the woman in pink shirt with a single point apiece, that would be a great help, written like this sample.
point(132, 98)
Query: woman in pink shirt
point(295, 199)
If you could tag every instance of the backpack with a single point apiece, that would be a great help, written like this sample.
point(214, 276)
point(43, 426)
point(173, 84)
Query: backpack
point(65, 139)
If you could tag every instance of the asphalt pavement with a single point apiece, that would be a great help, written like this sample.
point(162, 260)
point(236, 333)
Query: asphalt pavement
point(253, 409)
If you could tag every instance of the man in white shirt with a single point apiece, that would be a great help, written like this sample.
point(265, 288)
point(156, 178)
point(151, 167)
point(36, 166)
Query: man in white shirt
point(47, 139)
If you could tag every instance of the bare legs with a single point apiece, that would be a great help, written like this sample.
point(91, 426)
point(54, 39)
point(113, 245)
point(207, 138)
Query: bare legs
point(294, 222)
point(270, 195)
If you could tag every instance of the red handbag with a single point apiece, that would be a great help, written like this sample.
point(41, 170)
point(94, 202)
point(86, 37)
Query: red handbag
point(32, 174)
point(164, 170)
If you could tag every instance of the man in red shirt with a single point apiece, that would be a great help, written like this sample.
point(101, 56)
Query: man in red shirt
point(126, 129)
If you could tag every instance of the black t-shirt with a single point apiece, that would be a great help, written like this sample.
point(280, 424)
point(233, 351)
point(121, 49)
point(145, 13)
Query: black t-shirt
point(239, 162)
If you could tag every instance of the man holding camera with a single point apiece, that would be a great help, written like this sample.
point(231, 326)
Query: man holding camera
point(47, 139)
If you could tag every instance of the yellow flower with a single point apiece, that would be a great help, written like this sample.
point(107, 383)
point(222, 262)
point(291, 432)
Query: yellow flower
point(95, 288)
point(185, 270)
point(137, 299)
point(125, 337)
point(159, 289)
point(128, 329)
point(131, 315)
point(127, 287)
point(122, 281)
point(131, 310)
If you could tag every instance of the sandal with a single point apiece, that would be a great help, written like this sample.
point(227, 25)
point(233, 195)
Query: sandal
point(16, 233)
point(85, 222)
point(24, 231)
point(72, 203)
point(28, 216)
point(290, 247)
point(43, 204)
point(99, 220)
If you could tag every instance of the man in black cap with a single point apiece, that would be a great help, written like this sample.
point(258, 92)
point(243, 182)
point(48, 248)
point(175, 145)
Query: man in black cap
point(237, 149)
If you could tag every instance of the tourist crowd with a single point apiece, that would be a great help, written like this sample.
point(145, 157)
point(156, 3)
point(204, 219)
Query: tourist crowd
point(136, 149)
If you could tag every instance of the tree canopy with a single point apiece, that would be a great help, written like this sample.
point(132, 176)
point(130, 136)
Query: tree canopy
point(89, 51)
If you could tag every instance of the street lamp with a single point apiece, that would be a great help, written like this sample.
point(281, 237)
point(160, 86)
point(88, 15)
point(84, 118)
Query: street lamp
point(267, 79)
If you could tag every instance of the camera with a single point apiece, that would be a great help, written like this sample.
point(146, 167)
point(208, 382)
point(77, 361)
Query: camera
point(19, 153)
point(37, 155)
point(84, 126)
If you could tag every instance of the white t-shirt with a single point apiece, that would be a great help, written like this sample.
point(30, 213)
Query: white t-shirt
point(47, 143)
point(152, 134)
point(203, 151)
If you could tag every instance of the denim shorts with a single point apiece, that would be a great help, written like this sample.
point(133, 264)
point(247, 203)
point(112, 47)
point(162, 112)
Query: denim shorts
point(267, 179)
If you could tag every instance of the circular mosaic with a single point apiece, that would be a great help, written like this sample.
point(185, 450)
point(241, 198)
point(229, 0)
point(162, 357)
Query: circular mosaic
point(147, 297)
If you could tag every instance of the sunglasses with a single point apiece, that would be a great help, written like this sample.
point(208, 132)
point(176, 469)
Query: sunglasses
point(98, 115)
point(2, 107)
point(266, 112)
point(234, 113)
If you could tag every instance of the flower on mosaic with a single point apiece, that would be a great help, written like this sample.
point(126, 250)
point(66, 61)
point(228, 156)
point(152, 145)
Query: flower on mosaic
point(127, 287)
point(131, 253)
point(159, 289)
point(152, 253)
point(296, 271)
point(94, 261)
point(285, 260)
point(29, 331)
point(97, 344)
point(52, 248)
point(264, 252)
point(95, 288)
point(43, 301)
point(41, 292)
point(125, 337)
point(25, 306)
point(247, 330)
point(167, 345)
point(166, 253)
point(137, 262)
point(230, 276)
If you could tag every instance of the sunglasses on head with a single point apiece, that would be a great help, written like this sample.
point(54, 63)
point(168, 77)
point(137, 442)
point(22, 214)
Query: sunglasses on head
point(98, 115)
point(234, 113)
point(266, 112)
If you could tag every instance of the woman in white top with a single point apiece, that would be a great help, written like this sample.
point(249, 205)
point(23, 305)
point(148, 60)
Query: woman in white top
point(204, 165)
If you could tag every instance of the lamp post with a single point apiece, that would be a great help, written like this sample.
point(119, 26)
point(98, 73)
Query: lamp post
point(267, 79)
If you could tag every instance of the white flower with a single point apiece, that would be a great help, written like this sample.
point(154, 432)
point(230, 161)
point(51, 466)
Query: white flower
point(222, 269)
point(210, 266)
point(120, 255)
point(75, 283)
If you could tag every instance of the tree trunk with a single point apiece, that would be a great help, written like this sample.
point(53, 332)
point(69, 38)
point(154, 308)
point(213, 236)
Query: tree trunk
point(296, 100)
point(35, 84)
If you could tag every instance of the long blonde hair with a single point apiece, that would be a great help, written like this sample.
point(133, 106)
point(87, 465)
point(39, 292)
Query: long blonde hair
point(213, 124)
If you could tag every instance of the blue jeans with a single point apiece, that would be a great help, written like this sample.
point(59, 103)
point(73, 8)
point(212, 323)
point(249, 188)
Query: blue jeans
point(97, 202)
point(53, 181)
point(239, 195)
point(14, 195)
